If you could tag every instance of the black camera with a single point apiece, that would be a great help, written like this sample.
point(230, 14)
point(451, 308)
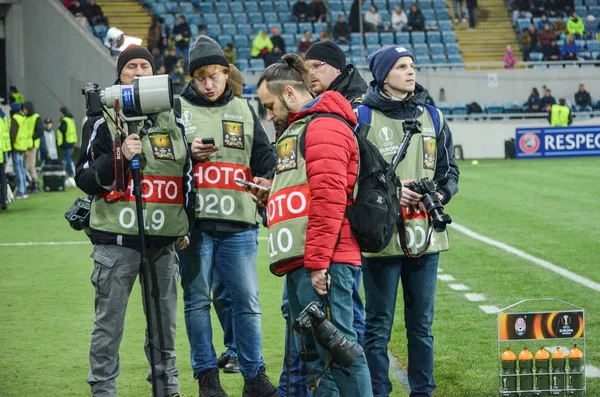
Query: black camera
point(313, 319)
point(79, 214)
point(428, 189)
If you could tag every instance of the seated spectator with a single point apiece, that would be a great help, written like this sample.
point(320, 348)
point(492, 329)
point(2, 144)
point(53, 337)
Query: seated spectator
point(547, 100)
point(545, 37)
point(170, 60)
point(161, 70)
point(341, 30)
point(560, 28)
point(324, 36)
point(537, 8)
point(373, 21)
point(318, 11)
point(229, 53)
point(278, 43)
point(583, 100)
point(569, 49)
point(301, 11)
point(261, 46)
point(528, 41)
point(543, 22)
point(158, 59)
point(520, 10)
point(416, 20)
point(509, 59)
point(533, 102)
point(305, 43)
point(74, 6)
point(575, 26)
point(554, 8)
point(552, 52)
point(93, 13)
point(591, 27)
point(178, 77)
point(399, 19)
point(182, 34)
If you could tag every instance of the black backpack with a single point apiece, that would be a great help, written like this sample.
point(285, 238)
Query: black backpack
point(376, 210)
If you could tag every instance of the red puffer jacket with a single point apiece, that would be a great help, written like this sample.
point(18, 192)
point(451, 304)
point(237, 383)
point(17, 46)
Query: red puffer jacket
point(331, 155)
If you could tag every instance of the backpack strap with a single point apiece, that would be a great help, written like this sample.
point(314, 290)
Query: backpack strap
point(316, 116)
point(364, 115)
point(435, 116)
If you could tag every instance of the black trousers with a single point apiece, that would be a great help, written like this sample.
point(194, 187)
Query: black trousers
point(3, 182)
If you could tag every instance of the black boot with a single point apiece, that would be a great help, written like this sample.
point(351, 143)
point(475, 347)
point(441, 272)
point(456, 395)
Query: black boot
point(209, 384)
point(260, 386)
point(34, 187)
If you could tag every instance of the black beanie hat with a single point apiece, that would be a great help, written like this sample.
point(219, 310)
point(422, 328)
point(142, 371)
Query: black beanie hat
point(329, 52)
point(134, 51)
point(205, 51)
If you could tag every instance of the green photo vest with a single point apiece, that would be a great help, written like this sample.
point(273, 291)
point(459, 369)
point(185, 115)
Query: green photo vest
point(22, 139)
point(29, 127)
point(289, 199)
point(559, 116)
point(70, 134)
point(218, 196)
point(161, 166)
point(4, 136)
point(420, 162)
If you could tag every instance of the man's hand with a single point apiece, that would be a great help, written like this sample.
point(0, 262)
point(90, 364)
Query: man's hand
point(182, 242)
point(132, 146)
point(258, 195)
point(201, 151)
point(320, 281)
point(409, 198)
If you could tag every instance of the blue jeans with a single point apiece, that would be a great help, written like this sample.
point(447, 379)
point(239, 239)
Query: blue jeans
point(233, 257)
point(185, 52)
point(19, 168)
point(458, 6)
point(381, 279)
point(67, 161)
point(353, 381)
point(222, 304)
point(471, 12)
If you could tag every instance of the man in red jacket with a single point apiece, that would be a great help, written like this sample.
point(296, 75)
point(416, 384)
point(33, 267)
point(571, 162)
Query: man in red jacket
point(310, 240)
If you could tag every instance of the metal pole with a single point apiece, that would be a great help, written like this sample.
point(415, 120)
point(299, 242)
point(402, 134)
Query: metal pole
point(361, 30)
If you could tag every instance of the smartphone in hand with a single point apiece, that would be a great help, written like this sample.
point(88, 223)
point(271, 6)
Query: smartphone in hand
point(249, 184)
point(208, 141)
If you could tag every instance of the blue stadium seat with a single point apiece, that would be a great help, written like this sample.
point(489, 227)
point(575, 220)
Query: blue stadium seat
point(372, 48)
point(494, 108)
point(512, 107)
point(257, 27)
point(236, 8)
point(437, 49)
point(213, 30)
point(186, 8)
point(417, 37)
point(536, 56)
point(449, 37)
point(452, 49)
point(229, 29)
point(403, 38)
point(255, 17)
point(431, 24)
point(159, 8)
point(194, 31)
point(241, 40)
point(355, 38)
point(380, 4)
point(289, 40)
point(282, 6)
point(194, 20)
point(304, 26)
point(210, 19)
point(442, 14)
point(439, 4)
point(433, 36)
point(459, 108)
point(257, 64)
point(285, 17)
point(241, 64)
point(425, 5)
point(243, 53)
point(385, 17)
point(222, 7)
point(290, 28)
point(439, 59)
point(335, 6)
point(371, 38)
point(580, 44)
point(169, 20)
point(421, 49)
point(172, 7)
point(251, 6)
point(345, 48)
point(423, 59)
point(225, 39)
point(319, 26)
point(445, 26)
point(206, 8)
point(593, 45)
point(455, 59)
point(444, 107)
point(581, 10)
point(226, 19)
point(244, 29)
point(196, 2)
point(523, 23)
point(266, 6)
point(240, 19)
point(271, 17)
point(386, 38)
point(428, 14)
point(278, 26)
point(99, 31)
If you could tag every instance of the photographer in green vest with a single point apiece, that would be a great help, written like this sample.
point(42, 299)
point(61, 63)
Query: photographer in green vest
point(66, 138)
point(227, 143)
point(19, 141)
point(166, 177)
point(4, 152)
point(34, 128)
point(393, 97)
point(560, 114)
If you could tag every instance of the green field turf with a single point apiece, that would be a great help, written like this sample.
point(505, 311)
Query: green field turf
point(547, 208)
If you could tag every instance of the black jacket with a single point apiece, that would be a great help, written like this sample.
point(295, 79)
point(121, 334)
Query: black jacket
point(279, 42)
point(262, 158)
point(96, 169)
point(350, 84)
point(446, 169)
point(301, 9)
point(341, 29)
point(583, 98)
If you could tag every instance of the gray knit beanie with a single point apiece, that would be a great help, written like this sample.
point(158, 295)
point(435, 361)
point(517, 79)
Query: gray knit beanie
point(205, 51)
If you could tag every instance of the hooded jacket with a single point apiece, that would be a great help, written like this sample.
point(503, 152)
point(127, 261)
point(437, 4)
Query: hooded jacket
point(260, 43)
point(331, 155)
point(38, 131)
point(350, 84)
point(446, 170)
point(262, 159)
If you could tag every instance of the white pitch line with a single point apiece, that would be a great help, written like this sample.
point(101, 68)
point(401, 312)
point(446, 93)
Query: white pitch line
point(440, 270)
point(32, 243)
point(445, 277)
point(459, 287)
point(540, 262)
point(591, 371)
point(489, 309)
point(475, 297)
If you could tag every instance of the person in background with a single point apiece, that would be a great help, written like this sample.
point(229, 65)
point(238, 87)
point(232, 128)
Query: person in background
point(543, 22)
point(19, 141)
point(153, 36)
point(569, 49)
point(583, 100)
point(471, 6)
point(301, 11)
point(373, 21)
point(575, 26)
point(324, 36)
point(546, 36)
point(229, 53)
point(93, 13)
point(559, 27)
point(278, 43)
point(341, 30)
point(35, 129)
point(163, 42)
point(4, 152)
point(182, 35)
point(559, 115)
point(399, 19)
point(509, 59)
point(15, 95)
point(318, 11)
point(48, 148)
point(170, 60)
point(305, 43)
point(459, 11)
point(528, 41)
point(552, 52)
point(547, 99)
point(261, 46)
point(66, 138)
point(355, 15)
point(591, 27)
point(532, 105)
point(416, 19)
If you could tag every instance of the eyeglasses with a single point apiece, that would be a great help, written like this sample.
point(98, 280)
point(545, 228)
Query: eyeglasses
point(315, 66)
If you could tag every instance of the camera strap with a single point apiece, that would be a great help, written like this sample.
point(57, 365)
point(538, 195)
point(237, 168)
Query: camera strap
point(402, 237)
point(118, 153)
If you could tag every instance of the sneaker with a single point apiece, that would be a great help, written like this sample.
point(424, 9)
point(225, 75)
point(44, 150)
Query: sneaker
point(232, 366)
point(21, 196)
point(260, 386)
point(464, 20)
point(455, 20)
point(209, 384)
point(223, 359)
point(176, 395)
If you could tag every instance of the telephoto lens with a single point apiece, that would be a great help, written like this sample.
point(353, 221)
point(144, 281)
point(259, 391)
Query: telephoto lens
point(344, 351)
